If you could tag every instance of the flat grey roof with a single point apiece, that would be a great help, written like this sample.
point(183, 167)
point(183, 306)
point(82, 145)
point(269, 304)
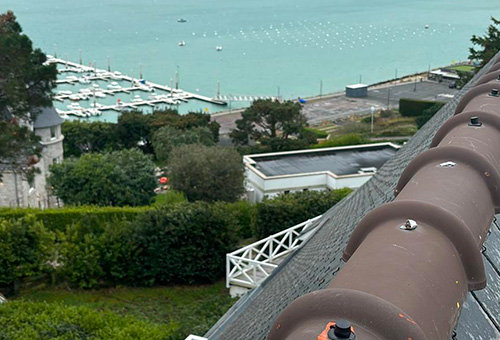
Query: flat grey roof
point(340, 161)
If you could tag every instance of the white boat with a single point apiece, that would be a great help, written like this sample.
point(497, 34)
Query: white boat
point(83, 80)
point(74, 97)
point(218, 48)
point(63, 93)
point(74, 107)
point(95, 85)
point(99, 95)
point(114, 86)
point(182, 43)
point(181, 20)
point(145, 88)
point(116, 75)
point(72, 78)
point(137, 99)
point(94, 112)
point(86, 91)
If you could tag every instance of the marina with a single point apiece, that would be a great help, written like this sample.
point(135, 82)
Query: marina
point(89, 75)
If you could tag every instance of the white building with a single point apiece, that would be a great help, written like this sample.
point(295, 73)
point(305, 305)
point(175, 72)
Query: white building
point(15, 191)
point(272, 174)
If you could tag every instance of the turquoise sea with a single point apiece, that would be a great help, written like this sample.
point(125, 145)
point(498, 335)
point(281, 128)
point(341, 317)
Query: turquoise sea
point(290, 46)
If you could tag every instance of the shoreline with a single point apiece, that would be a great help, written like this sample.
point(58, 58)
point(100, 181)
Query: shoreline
point(382, 84)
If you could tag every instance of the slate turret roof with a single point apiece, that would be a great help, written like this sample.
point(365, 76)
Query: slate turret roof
point(47, 117)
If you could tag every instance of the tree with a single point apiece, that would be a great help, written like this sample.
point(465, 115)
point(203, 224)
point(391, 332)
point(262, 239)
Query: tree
point(83, 137)
point(488, 44)
point(269, 121)
point(167, 137)
point(134, 130)
point(207, 173)
point(119, 178)
point(26, 84)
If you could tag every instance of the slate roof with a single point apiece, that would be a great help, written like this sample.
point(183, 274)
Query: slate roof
point(47, 117)
point(313, 266)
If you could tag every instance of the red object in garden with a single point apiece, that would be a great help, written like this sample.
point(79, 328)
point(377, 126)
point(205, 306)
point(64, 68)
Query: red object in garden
point(164, 180)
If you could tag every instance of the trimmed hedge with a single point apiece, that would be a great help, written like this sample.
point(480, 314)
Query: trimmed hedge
point(47, 321)
point(186, 243)
point(317, 132)
point(182, 243)
point(343, 140)
point(285, 211)
point(415, 107)
point(60, 219)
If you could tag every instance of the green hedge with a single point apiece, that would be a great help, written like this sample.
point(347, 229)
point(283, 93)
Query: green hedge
point(60, 219)
point(48, 321)
point(317, 132)
point(182, 243)
point(285, 211)
point(343, 140)
point(427, 115)
point(186, 243)
point(415, 107)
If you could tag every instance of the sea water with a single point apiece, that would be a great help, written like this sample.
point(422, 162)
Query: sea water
point(291, 48)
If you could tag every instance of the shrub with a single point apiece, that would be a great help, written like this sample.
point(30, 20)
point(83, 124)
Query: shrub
point(185, 244)
point(26, 249)
point(60, 219)
point(285, 211)
point(241, 217)
point(115, 179)
point(47, 321)
point(427, 114)
point(415, 107)
point(349, 139)
point(318, 133)
point(207, 173)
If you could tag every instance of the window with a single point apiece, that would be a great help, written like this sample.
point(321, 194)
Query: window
point(53, 132)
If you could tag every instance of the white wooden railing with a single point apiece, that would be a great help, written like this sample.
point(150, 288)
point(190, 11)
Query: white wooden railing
point(249, 266)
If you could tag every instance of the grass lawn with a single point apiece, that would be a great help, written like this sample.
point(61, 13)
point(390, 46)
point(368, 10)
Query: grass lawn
point(463, 68)
point(183, 309)
point(169, 197)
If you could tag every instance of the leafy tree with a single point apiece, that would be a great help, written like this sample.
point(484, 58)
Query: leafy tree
point(270, 121)
point(167, 137)
point(488, 45)
point(119, 178)
point(134, 130)
point(83, 137)
point(207, 173)
point(188, 121)
point(26, 85)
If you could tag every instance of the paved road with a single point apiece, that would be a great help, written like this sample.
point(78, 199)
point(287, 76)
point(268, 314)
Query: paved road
point(337, 106)
point(379, 97)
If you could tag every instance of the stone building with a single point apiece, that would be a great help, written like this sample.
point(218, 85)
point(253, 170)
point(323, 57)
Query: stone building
point(15, 191)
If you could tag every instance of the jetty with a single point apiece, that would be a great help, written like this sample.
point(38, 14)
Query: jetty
point(89, 75)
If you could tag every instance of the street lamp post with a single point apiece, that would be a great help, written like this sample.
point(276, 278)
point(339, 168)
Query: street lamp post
point(372, 109)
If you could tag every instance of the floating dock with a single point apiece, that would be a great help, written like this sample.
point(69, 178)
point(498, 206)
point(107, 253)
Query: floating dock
point(92, 74)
